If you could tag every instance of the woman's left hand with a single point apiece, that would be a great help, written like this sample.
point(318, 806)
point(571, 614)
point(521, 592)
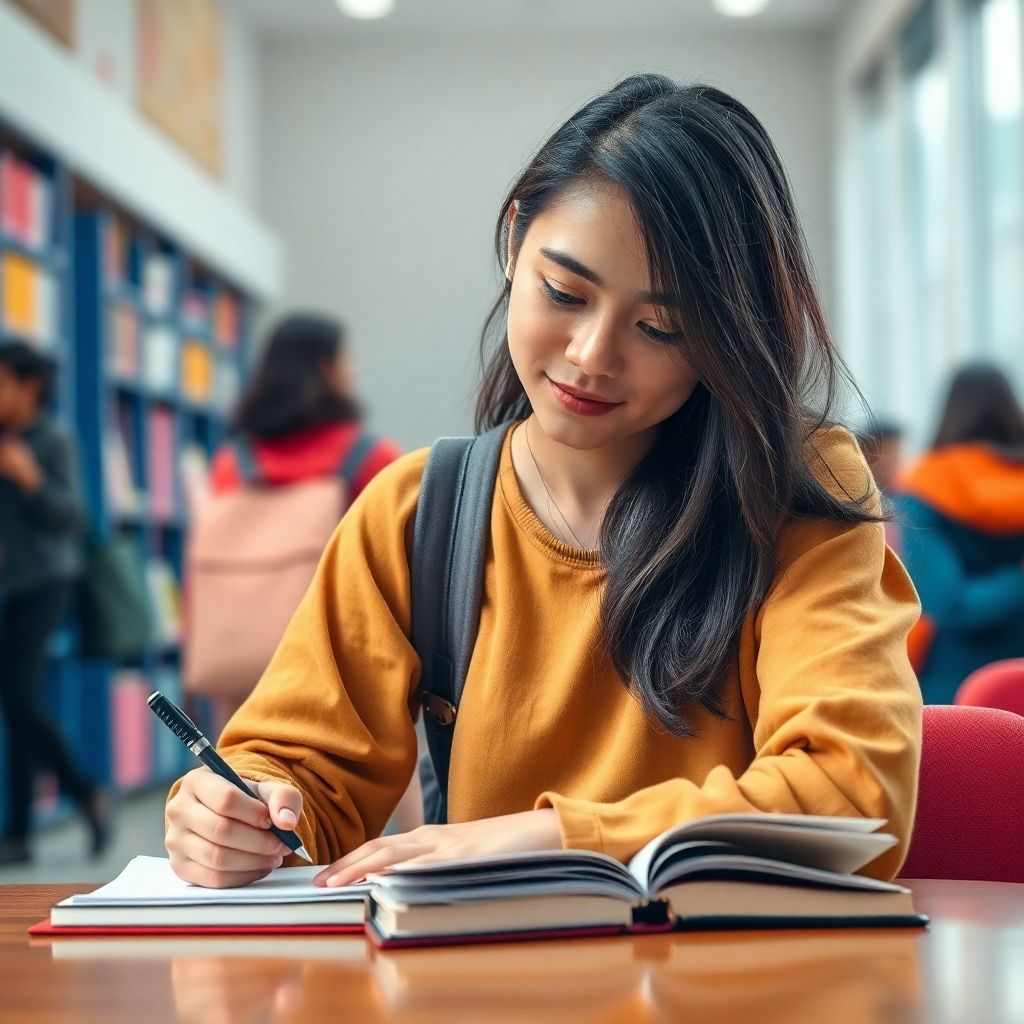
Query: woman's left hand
point(510, 833)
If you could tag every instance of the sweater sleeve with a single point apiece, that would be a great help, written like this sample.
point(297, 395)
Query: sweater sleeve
point(334, 712)
point(956, 601)
point(837, 714)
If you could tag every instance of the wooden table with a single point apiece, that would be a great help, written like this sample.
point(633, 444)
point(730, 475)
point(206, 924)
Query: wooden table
point(968, 968)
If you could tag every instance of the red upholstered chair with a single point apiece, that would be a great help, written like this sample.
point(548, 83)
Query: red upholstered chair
point(999, 685)
point(970, 805)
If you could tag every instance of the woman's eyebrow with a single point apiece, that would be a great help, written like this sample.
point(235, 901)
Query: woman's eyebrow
point(563, 259)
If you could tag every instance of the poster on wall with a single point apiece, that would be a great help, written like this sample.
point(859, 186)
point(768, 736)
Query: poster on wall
point(56, 16)
point(180, 75)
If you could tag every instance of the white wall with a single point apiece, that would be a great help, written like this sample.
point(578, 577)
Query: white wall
point(383, 167)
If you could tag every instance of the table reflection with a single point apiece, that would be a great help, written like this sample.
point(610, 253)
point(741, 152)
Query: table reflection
point(836, 976)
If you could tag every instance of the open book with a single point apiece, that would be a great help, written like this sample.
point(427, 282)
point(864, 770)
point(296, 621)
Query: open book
point(148, 896)
point(721, 871)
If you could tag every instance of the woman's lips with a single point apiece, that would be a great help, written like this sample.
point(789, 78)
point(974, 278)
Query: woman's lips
point(580, 403)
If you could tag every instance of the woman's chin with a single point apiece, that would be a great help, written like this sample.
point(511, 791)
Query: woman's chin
point(576, 432)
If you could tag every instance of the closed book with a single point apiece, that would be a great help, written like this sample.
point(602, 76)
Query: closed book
point(147, 895)
point(726, 871)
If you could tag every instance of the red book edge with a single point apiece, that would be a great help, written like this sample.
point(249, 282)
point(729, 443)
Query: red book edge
point(46, 929)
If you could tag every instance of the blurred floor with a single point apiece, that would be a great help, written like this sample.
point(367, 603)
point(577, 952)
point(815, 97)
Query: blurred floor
point(60, 850)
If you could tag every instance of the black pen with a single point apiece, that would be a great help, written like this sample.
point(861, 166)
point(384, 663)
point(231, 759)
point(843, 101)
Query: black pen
point(188, 732)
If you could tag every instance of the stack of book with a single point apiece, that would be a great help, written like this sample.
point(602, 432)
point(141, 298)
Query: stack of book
point(726, 871)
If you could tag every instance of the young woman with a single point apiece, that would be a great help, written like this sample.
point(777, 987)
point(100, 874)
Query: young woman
point(41, 519)
point(299, 410)
point(688, 606)
point(962, 510)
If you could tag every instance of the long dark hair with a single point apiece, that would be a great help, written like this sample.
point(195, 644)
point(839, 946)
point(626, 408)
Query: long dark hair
point(689, 540)
point(289, 390)
point(29, 364)
point(981, 408)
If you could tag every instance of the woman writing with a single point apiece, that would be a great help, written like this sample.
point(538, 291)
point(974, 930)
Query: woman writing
point(688, 605)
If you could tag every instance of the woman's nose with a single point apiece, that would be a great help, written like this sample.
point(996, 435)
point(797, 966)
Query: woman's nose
point(594, 348)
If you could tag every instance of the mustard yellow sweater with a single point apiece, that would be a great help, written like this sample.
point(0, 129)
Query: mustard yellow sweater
point(824, 710)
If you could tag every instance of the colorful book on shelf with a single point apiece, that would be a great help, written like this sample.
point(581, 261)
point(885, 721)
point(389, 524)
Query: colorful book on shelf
point(124, 342)
point(195, 310)
point(227, 321)
point(10, 223)
point(26, 198)
point(148, 897)
point(160, 348)
point(122, 494)
point(115, 244)
point(132, 723)
point(161, 462)
point(29, 299)
point(726, 871)
point(196, 371)
point(721, 872)
point(227, 385)
point(158, 283)
point(195, 476)
point(165, 598)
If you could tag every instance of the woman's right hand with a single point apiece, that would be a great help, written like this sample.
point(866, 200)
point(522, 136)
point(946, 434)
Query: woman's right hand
point(218, 837)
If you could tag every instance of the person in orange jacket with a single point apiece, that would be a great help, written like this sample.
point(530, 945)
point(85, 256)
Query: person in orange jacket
point(961, 509)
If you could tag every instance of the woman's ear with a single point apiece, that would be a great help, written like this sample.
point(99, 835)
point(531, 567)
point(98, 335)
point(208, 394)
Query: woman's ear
point(509, 259)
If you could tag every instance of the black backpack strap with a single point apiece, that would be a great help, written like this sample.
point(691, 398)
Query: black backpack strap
point(452, 529)
point(245, 459)
point(357, 455)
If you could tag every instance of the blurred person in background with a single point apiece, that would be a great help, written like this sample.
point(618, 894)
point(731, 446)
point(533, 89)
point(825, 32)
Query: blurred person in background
point(881, 441)
point(962, 512)
point(297, 422)
point(300, 412)
point(41, 520)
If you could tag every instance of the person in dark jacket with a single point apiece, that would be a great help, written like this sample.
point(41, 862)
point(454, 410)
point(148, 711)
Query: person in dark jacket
point(962, 510)
point(41, 522)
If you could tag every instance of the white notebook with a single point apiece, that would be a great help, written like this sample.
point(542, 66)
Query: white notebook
point(149, 894)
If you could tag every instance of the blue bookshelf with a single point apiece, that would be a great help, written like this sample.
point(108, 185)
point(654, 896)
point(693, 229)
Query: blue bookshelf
point(162, 346)
point(36, 307)
point(123, 307)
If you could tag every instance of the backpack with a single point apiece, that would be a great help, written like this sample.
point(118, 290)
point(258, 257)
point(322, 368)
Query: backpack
point(450, 537)
point(250, 558)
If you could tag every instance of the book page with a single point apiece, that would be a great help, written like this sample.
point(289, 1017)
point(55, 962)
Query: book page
point(149, 881)
point(834, 844)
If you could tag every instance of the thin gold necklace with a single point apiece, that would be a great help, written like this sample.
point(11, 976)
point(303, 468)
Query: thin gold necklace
point(547, 490)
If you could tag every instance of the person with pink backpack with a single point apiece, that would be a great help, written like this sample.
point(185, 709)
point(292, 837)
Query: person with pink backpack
point(297, 459)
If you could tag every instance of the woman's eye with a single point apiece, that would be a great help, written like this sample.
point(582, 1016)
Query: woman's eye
point(653, 332)
point(563, 298)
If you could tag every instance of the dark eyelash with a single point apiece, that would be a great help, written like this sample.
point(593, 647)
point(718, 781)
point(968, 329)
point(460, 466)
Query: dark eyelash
point(655, 335)
point(565, 299)
point(562, 298)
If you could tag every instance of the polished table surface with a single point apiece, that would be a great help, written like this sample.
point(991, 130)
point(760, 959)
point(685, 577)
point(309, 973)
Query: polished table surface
point(967, 968)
